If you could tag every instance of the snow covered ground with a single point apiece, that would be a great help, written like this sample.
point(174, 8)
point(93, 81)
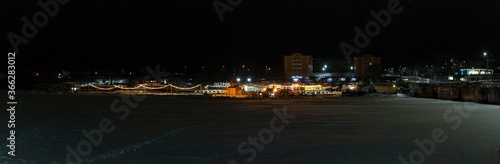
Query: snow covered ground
point(169, 129)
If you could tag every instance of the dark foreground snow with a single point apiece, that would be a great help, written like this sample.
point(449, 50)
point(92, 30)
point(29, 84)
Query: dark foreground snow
point(163, 129)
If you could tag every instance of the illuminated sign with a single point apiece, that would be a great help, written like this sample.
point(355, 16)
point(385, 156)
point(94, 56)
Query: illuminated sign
point(221, 84)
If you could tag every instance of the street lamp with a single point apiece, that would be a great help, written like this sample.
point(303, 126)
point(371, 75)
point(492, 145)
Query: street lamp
point(324, 72)
point(487, 60)
point(352, 71)
point(324, 69)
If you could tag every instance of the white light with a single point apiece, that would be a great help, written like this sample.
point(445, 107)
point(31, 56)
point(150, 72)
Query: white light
point(325, 66)
point(249, 80)
point(394, 86)
point(485, 54)
point(352, 67)
point(238, 79)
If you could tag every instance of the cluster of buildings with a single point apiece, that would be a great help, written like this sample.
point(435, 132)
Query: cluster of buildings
point(303, 68)
point(297, 68)
point(439, 68)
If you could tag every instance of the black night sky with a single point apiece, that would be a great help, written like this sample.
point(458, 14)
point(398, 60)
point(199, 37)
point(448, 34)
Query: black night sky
point(123, 34)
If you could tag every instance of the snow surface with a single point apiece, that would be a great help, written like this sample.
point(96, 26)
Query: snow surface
point(169, 129)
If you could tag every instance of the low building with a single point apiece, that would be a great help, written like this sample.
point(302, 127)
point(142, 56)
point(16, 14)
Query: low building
point(475, 74)
point(234, 90)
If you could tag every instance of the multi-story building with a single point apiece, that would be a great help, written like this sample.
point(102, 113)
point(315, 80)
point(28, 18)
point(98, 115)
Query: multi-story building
point(298, 67)
point(363, 62)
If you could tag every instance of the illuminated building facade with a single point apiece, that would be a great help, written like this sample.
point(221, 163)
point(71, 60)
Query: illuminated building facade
point(475, 74)
point(298, 67)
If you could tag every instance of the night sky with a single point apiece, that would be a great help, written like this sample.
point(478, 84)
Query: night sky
point(124, 34)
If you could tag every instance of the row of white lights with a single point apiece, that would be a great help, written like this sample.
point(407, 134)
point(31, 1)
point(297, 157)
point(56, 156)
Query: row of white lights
point(146, 87)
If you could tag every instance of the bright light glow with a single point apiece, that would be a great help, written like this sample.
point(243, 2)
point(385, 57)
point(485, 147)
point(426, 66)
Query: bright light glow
point(352, 67)
point(325, 66)
point(485, 54)
point(394, 86)
point(238, 79)
point(249, 80)
point(323, 69)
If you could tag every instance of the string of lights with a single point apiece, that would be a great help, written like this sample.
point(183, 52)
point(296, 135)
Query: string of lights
point(144, 87)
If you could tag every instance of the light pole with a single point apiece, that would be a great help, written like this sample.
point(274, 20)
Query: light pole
point(487, 60)
point(323, 72)
point(352, 71)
